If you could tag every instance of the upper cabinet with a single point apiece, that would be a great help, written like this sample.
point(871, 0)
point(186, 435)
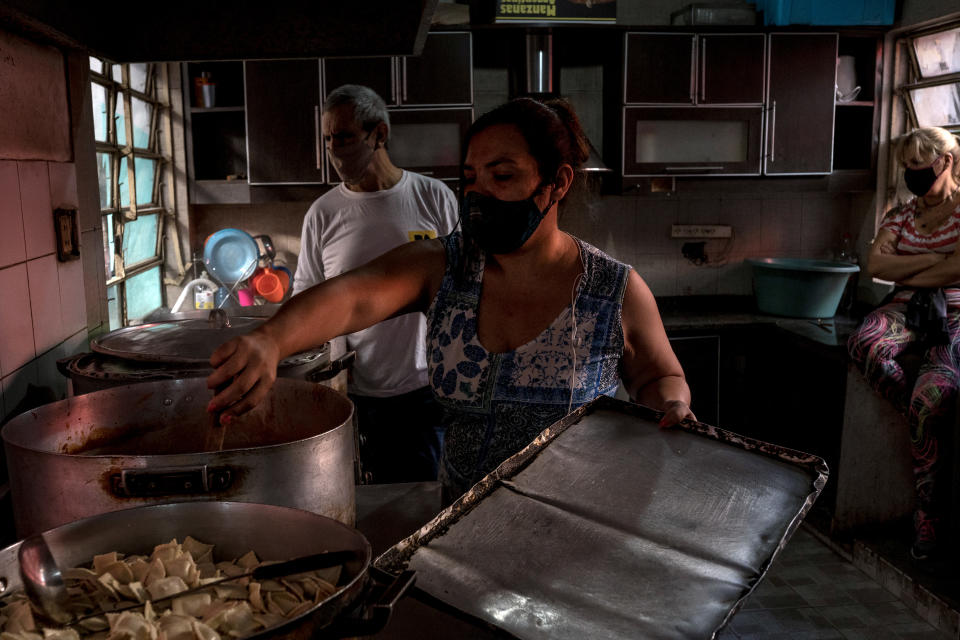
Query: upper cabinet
point(856, 120)
point(659, 68)
point(688, 69)
point(800, 104)
point(215, 116)
point(266, 130)
point(283, 120)
point(693, 104)
point(440, 76)
point(728, 104)
point(730, 68)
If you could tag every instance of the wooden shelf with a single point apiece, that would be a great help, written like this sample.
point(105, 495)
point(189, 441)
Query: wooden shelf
point(855, 103)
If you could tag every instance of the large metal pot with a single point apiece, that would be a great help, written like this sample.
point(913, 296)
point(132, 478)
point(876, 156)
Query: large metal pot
point(274, 533)
point(144, 444)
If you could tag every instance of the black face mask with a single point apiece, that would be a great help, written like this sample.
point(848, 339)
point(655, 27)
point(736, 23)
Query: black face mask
point(499, 226)
point(919, 181)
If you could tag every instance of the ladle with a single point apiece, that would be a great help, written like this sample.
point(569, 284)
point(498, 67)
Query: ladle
point(43, 582)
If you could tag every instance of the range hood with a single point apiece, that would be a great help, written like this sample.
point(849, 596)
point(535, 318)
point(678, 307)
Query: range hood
point(539, 84)
point(177, 30)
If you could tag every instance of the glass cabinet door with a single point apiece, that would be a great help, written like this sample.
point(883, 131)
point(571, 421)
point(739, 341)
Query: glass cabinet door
point(692, 141)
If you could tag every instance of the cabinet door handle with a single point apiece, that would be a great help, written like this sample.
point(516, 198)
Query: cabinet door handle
point(703, 69)
point(403, 82)
point(693, 70)
point(394, 80)
point(691, 168)
point(773, 129)
point(316, 132)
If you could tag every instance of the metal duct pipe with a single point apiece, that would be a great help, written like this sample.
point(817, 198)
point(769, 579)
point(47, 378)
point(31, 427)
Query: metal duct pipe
point(539, 63)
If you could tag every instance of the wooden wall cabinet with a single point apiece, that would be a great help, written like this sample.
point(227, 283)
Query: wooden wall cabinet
point(690, 69)
point(266, 133)
point(216, 148)
point(440, 76)
point(800, 103)
point(730, 104)
point(283, 120)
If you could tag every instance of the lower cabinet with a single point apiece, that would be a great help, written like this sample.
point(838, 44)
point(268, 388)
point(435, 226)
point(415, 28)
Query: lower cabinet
point(767, 383)
point(699, 355)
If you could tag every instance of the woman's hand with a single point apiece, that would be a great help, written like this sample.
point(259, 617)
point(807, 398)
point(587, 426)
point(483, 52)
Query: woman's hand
point(245, 369)
point(888, 248)
point(674, 412)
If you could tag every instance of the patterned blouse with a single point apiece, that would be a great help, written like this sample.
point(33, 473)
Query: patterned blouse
point(901, 222)
point(496, 403)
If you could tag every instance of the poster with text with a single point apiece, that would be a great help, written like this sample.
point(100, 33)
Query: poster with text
point(587, 11)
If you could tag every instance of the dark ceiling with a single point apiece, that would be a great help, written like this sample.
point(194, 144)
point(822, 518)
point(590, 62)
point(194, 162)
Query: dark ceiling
point(177, 30)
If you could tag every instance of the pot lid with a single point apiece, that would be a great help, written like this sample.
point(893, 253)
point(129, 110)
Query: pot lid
point(177, 341)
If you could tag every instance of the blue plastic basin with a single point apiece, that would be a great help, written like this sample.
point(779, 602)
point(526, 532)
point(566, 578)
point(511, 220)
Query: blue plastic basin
point(799, 288)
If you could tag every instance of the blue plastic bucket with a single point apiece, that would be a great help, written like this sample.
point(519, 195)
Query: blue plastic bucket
point(799, 288)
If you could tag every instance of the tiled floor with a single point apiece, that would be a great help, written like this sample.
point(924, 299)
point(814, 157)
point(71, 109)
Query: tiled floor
point(812, 592)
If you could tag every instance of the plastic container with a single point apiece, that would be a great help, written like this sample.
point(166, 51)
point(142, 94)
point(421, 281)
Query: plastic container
point(827, 12)
point(268, 285)
point(799, 288)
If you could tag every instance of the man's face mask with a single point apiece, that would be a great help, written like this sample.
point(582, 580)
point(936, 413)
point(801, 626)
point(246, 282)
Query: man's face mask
point(920, 181)
point(351, 160)
point(499, 226)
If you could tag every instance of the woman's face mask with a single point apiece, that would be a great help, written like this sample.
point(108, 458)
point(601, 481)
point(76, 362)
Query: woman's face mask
point(920, 181)
point(352, 160)
point(499, 226)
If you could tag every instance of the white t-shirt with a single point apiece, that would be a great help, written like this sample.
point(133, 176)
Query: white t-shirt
point(345, 229)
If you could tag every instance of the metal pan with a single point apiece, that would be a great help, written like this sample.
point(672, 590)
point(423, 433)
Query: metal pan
point(274, 533)
point(607, 526)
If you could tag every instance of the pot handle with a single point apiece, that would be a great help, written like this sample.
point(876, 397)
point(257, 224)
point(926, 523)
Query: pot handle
point(139, 483)
point(372, 616)
point(333, 368)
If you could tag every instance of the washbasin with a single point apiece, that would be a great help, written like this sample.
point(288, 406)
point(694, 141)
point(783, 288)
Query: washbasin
point(800, 287)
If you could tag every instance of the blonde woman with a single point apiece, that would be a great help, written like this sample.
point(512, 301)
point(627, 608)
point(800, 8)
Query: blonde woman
point(917, 248)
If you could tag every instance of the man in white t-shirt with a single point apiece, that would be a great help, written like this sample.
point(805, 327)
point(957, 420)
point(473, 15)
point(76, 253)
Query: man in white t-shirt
point(377, 207)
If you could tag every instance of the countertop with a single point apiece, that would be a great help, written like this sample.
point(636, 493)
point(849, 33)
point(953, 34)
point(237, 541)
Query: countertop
point(387, 513)
point(714, 313)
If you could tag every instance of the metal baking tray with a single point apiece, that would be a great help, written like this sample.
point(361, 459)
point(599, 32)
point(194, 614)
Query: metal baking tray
point(608, 526)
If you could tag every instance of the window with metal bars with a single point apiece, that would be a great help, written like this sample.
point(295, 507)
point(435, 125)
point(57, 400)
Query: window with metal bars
point(930, 80)
point(133, 164)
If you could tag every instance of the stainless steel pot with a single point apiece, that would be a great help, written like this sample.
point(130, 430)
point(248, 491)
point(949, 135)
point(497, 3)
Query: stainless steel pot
point(143, 444)
point(274, 533)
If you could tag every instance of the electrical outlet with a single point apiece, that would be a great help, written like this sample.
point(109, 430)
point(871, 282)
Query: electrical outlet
point(701, 231)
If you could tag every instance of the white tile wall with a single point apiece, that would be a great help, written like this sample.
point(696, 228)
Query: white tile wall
point(780, 227)
point(63, 185)
point(16, 324)
point(73, 303)
point(15, 384)
point(93, 289)
point(636, 230)
point(735, 278)
point(659, 272)
point(12, 248)
point(47, 373)
point(696, 280)
point(37, 212)
point(44, 283)
point(744, 214)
